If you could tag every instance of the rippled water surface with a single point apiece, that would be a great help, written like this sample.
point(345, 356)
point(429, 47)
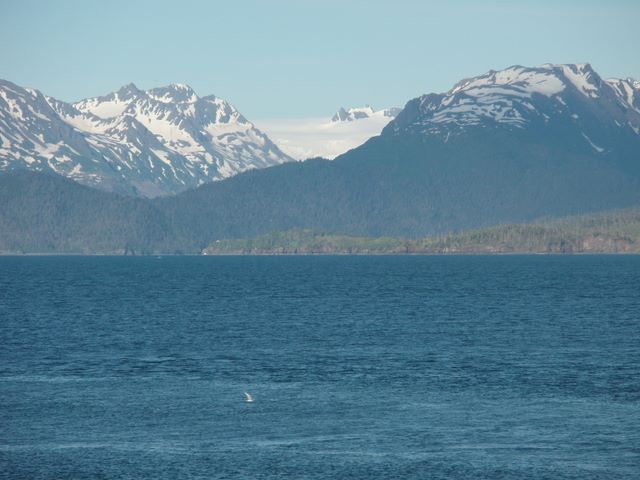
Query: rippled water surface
point(361, 367)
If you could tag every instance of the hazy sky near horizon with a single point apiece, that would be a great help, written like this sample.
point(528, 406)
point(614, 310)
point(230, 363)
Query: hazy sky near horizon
point(290, 59)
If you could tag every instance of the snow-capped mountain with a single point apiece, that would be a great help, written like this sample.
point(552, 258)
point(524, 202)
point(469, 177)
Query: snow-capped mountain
point(360, 113)
point(571, 100)
point(328, 137)
point(628, 90)
point(155, 142)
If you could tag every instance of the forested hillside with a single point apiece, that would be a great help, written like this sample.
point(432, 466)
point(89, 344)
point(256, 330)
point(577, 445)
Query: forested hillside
point(610, 232)
point(46, 213)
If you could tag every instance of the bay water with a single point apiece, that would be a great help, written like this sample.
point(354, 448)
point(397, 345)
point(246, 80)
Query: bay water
point(443, 367)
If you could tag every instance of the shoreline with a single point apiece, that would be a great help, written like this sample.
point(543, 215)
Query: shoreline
point(324, 254)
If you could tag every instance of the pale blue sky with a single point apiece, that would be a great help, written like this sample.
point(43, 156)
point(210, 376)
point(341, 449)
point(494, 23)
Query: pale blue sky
point(279, 59)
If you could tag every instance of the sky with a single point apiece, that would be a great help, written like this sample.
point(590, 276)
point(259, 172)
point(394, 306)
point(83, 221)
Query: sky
point(304, 59)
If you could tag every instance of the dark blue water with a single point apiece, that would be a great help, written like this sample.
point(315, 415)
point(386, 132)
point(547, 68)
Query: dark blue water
point(361, 367)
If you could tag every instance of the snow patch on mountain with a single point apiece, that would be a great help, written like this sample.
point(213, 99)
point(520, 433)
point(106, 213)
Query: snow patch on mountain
point(517, 81)
point(111, 105)
point(174, 93)
point(628, 90)
point(582, 76)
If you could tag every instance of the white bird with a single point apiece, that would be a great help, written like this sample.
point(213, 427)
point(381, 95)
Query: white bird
point(249, 397)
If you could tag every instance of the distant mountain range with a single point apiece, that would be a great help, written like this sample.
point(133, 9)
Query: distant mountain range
point(508, 146)
point(354, 114)
point(328, 137)
point(155, 142)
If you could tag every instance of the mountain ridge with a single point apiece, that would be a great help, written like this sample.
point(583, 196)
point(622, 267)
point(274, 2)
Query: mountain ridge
point(155, 142)
point(505, 99)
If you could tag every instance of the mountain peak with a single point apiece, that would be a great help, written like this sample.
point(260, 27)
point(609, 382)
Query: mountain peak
point(180, 86)
point(359, 113)
point(128, 91)
point(519, 96)
point(584, 68)
point(174, 93)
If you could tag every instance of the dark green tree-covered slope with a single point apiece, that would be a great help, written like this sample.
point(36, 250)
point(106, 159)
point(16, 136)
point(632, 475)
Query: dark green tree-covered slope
point(46, 213)
point(411, 187)
point(615, 231)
